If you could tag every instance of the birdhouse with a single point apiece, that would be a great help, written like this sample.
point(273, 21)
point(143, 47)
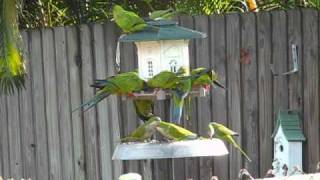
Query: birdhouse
point(288, 138)
point(163, 45)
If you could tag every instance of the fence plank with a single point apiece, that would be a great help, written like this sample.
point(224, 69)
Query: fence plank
point(250, 120)
point(51, 104)
point(75, 101)
point(191, 164)
point(218, 99)
point(27, 124)
point(64, 109)
point(265, 90)
point(295, 81)
point(102, 108)
point(113, 117)
point(4, 137)
point(311, 87)
point(90, 124)
point(234, 88)
point(38, 107)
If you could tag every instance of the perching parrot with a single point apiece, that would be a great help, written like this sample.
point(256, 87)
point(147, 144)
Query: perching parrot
point(207, 79)
point(128, 21)
point(221, 132)
point(121, 84)
point(144, 108)
point(175, 132)
point(144, 131)
point(166, 79)
point(162, 14)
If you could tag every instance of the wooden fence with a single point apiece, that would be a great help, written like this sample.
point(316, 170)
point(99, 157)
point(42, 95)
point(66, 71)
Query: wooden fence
point(41, 139)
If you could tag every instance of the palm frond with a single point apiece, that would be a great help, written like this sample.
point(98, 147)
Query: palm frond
point(12, 70)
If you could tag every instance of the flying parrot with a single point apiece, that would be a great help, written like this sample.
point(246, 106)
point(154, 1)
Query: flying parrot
point(144, 108)
point(175, 132)
point(162, 14)
point(221, 132)
point(144, 131)
point(207, 79)
point(128, 21)
point(166, 79)
point(124, 83)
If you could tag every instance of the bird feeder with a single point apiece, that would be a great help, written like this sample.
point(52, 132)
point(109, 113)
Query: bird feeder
point(163, 45)
point(288, 138)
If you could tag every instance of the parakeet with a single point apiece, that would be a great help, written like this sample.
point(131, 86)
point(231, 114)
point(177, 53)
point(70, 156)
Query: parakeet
point(144, 131)
point(175, 132)
point(221, 132)
point(125, 83)
point(128, 21)
point(166, 79)
point(162, 14)
point(207, 79)
point(144, 108)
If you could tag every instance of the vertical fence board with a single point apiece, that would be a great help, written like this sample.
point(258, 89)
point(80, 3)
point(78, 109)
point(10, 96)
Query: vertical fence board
point(113, 104)
point(51, 104)
point(295, 81)
point(64, 103)
point(204, 104)
point(38, 100)
point(27, 124)
point(265, 90)
point(279, 60)
point(234, 88)
point(89, 119)
point(102, 107)
point(75, 101)
point(311, 87)
point(5, 160)
point(191, 164)
point(219, 98)
point(248, 60)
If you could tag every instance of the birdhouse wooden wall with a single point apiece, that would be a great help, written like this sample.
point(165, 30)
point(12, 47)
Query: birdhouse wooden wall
point(157, 56)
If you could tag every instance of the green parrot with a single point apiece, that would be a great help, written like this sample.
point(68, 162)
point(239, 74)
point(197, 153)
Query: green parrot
point(128, 21)
point(207, 79)
point(144, 131)
point(121, 84)
point(175, 132)
point(166, 79)
point(221, 132)
point(162, 14)
point(144, 108)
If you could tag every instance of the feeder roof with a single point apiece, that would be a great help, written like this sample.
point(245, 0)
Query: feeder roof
point(162, 30)
point(290, 123)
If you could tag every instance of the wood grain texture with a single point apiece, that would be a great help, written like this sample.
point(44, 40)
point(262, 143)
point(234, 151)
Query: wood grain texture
point(102, 108)
point(204, 104)
point(265, 90)
point(248, 60)
point(89, 117)
point(64, 109)
point(27, 124)
point(311, 87)
point(75, 100)
point(5, 169)
point(50, 87)
point(38, 106)
point(234, 89)
point(218, 95)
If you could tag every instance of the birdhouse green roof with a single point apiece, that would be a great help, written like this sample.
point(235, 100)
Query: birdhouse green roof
point(290, 123)
point(162, 30)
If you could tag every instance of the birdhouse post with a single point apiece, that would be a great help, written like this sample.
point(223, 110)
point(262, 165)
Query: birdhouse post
point(288, 138)
point(162, 46)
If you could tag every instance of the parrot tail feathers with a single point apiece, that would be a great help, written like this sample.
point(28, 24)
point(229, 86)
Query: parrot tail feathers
point(245, 154)
point(92, 102)
point(176, 107)
point(217, 83)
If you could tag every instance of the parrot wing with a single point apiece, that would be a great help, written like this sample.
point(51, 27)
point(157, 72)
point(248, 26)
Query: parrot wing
point(175, 132)
point(162, 14)
point(224, 130)
point(165, 80)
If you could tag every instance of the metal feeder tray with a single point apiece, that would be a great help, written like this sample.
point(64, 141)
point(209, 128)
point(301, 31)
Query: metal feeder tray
point(178, 149)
